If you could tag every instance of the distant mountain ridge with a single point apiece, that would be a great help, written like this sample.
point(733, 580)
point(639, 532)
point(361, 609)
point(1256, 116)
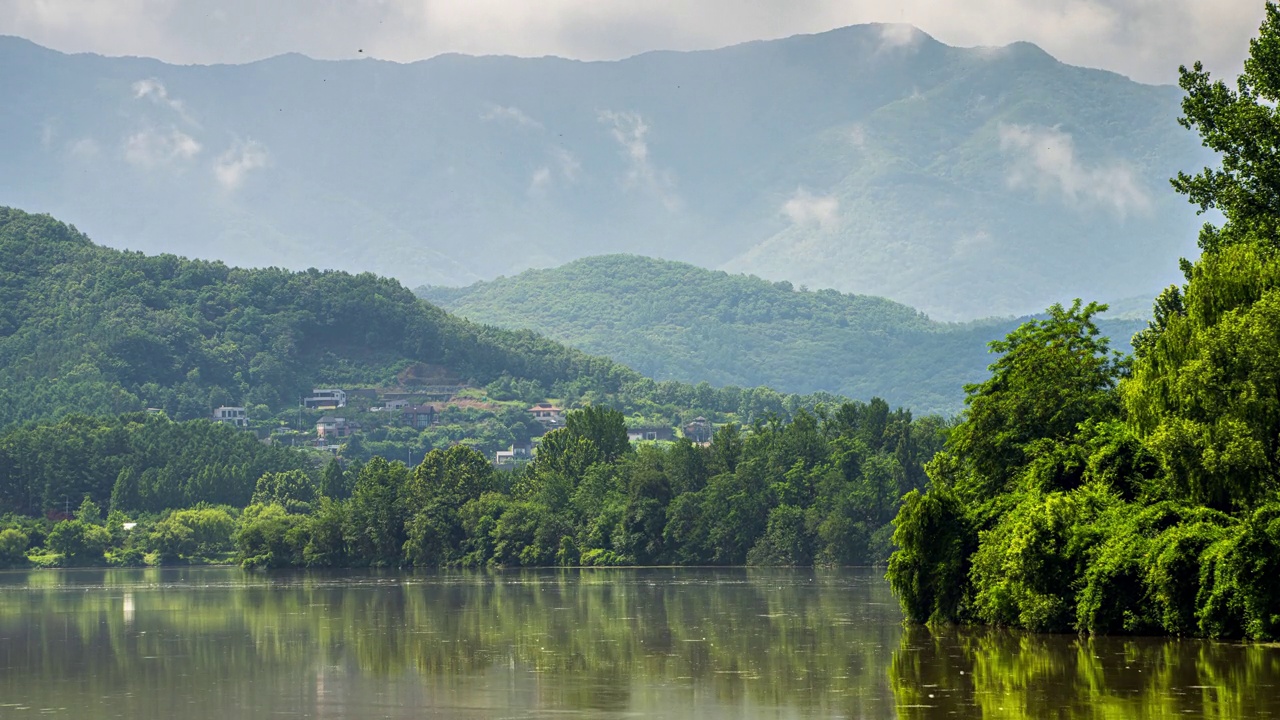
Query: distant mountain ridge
point(871, 159)
point(675, 321)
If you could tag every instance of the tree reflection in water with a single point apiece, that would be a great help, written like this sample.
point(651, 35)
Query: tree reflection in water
point(996, 674)
point(661, 642)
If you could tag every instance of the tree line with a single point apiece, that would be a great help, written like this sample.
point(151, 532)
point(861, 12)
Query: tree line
point(820, 489)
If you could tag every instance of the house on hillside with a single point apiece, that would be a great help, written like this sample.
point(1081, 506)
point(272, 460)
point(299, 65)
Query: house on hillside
point(419, 416)
point(330, 427)
point(547, 414)
point(657, 432)
point(235, 416)
point(325, 399)
point(699, 431)
point(517, 453)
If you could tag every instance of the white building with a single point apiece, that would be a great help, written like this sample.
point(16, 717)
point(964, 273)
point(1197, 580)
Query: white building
point(325, 398)
point(520, 452)
point(236, 416)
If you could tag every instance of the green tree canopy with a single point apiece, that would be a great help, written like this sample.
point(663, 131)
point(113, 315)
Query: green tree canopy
point(1243, 127)
point(1052, 374)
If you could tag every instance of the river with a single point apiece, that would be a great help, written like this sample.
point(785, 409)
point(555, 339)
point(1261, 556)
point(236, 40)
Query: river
point(205, 643)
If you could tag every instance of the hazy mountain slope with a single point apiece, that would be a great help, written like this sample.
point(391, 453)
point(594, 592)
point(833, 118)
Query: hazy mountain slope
point(873, 159)
point(675, 321)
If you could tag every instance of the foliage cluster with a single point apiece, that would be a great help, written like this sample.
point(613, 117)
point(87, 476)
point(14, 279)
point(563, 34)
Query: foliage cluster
point(1047, 510)
point(199, 534)
point(133, 462)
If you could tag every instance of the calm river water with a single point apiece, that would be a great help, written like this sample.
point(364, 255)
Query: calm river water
point(218, 643)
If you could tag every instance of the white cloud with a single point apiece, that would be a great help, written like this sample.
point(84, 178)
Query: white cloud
point(154, 148)
point(858, 135)
point(804, 209)
point(898, 35)
point(238, 161)
point(83, 149)
point(539, 181)
point(563, 168)
point(567, 163)
point(1146, 39)
point(630, 130)
point(510, 114)
point(1044, 159)
point(155, 91)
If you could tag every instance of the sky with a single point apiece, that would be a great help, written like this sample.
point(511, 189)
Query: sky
point(1144, 39)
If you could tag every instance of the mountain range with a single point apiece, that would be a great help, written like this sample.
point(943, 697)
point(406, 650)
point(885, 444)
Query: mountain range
point(965, 182)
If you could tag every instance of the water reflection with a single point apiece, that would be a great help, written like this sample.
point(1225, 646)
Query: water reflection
point(976, 673)
point(217, 643)
point(659, 642)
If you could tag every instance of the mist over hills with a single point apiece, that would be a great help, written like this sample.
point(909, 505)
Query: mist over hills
point(870, 159)
point(674, 321)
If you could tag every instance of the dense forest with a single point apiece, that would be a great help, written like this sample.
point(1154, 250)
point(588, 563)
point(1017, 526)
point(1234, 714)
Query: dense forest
point(1087, 491)
point(821, 489)
point(675, 321)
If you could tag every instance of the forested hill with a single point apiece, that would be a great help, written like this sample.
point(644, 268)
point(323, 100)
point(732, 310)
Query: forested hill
point(962, 181)
point(671, 320)
point(89, 329)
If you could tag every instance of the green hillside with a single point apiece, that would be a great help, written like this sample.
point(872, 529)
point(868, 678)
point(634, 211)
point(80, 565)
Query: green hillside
point(87, 329)
point(671, 320)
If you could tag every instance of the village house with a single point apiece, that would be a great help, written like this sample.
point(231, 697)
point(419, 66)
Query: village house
point(330, 427)
point(236, 416)
point(699, 431)
point(642, 434)
point(325, 399)
point(517, 453)
point(547, 414)
point(419, 416)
